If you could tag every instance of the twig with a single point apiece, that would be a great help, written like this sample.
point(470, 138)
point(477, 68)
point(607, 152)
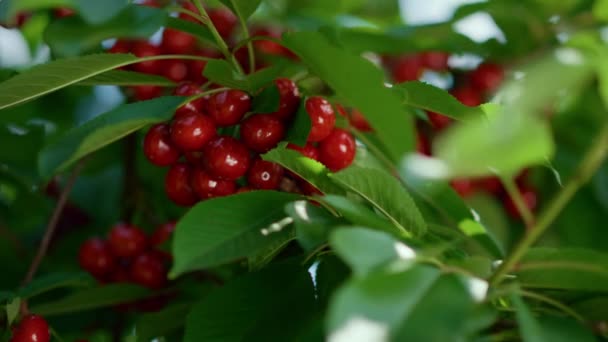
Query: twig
point(518, 200)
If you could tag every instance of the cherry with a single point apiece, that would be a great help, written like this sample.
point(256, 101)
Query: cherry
point(307, 151)
point(270, 47)
point(146, 92)
point(177, 185)
point(226, 158)
point(439, 121)
point(464, 187)
point(189, 89)
point(228, 107)
point(338, 150)
point(158, 147)
point(435, 60)
point(120, 46)
point(265, 175)
point(322, 118)
point(530, 198)
point(223, 20)
point(196, 67)
point(467, 96)
point(177, 42)
point(95, 256)
point(150, 3)
point(359, 121)
point(262, 132)
point(422, 145)
point(492, 185)
point(289, 100)
point(308, 189)
point(487, 77)
point(148, 269)
point(120, 275)
point(209, 187)
point(192, 131)
point(127, 241)
point(407, 68)
point(145, 49)
point(32, 328)
point(175, 70)
point(244, 189)
point(162, 233)
point(62, 12)
point(194, 157)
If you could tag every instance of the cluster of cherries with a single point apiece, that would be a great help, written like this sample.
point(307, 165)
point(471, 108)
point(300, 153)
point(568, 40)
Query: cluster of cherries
point(128, 255)
point(470, 88)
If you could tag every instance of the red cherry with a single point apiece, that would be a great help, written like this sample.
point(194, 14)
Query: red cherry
point(492, 185)
point(422, 145)
point(96, 257)
point(439, 121)
point(145, 49)
point(209, 187)
point(435, 60)
point(62, 12)
point(158, 147)
point(467, 96)
point(146, 92)
point(175, 70)
point(289, 100)
point(223, 20)
point(32, 328)
point(407, 68)
point(244, 189)
point(148, 269)
point(192, 131)
point(150, 3)
point(270, 47)
point(177, 185)
point(177, 42)
point(338, 150)
point(309, 189)
point(307, 151)
point(262, 132)
point(228, 107)
point(127, 241)
point(188, 89)
point(226, 158)
point(194, 157)
point(464, 187)
point(120, 275)
point(265, 175)
point(322, 117)
point(162, 233)
point(196, 67)
point(487, 77)
point(530, 198)
point(359, 121)
point(120, 46)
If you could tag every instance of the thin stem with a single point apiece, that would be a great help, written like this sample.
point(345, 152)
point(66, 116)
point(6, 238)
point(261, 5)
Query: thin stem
point(216, 35)
point(591, 162)
point(554, 303)
point(203, 94)
point(52, 225)
point(194, 15)
point(518, 200)
point(314, 252)
point(250, 50)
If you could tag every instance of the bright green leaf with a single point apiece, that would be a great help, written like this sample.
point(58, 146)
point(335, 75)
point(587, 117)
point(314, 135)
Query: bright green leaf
point(221, 72)
point(242, 8)
point(359, 214)
point(600, 9)
point(12, 310)
point(529, 327)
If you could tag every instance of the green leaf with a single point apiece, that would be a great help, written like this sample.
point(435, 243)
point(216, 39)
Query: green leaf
point(126, 78)
point(480, 234)
point(564, 269)
point(92, 298)
point(97, 12)
point(10, 8)
point(242, 8)
point(386, 194)
point(228, 228)
point(376, 304)
point(262, 258)
point(300, 128)
point(73, 36)
point(52, 76)
point(361, 85)
point(103, 130)
point(313, 224)
point(311, 170)
point(366, 250)
point(428, 97)
point(161, 323)
point(199, 31)
point(12, 310)
point(270, 305)
point(267, 101)
point(221, 72)
point(529, 327)
point(560, 329)
point(359, 214)
point(54, 281)
point(600, 9)
point(593, 309)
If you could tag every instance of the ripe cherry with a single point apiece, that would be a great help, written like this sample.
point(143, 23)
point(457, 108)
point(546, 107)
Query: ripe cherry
point(307, 151)
point(177, 42)
point(467, 96)
point(224, 157)
point(487, 77)
point(439, 121)
point(121, 46)
point(289, 100)
point(32, 328)
point(127, 241)
point(270, 47)
point(146, 92)
point(228, 107)
point(435, 60)
point(192, 131)
point(265, 175)
point(322, 118)
point(464, 187)
point(223, 20)
point(338, 150)
point(145, 49)
point(177, 185)
point(95, 256)
point(62, 12)
point(188, 89)
point(196, 67)
point(308, 189)
point(262, 132)
point(208, 187)
point(120, 274)
point(148, 269)
point(407, 68)
point(359, 121)
point(422, 144)
point(162, 233)
point(491, 185)
point(158, 146)
point(175, 70)
point(530, 198)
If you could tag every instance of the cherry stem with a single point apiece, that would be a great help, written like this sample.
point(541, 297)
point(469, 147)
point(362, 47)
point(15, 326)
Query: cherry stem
point(518, 200)
point(588, 166)
point(250, 50)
